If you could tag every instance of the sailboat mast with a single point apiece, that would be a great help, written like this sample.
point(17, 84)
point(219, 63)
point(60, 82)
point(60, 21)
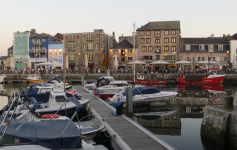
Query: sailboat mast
point(134, 49)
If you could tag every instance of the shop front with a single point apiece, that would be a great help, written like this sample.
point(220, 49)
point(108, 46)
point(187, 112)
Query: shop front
point(72, 66)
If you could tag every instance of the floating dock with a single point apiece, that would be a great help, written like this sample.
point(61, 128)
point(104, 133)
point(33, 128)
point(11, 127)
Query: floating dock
point(126, 134)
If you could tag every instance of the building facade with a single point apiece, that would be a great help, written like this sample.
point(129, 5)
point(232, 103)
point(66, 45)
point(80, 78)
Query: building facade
point(56, 54)
point(124, 52)
point(158, 41)
point(93, 44)
point(21, 49)
point(38, 45)
point(205, 49)
point(233, 51)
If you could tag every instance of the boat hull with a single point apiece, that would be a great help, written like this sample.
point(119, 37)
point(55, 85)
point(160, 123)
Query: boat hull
point(37, 81)
point(205, 80)
point(106, 95)
point(149, 82)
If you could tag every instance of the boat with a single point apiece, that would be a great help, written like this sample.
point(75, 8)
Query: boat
point(28, 132)
point(145, 94)
point(56, 98)
point(151, 79)
point(35, 78)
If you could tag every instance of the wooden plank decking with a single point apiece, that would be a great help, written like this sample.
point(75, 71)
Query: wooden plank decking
point(131, 135)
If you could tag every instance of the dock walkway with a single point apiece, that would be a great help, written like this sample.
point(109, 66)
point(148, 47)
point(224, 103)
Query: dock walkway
point(126, 134)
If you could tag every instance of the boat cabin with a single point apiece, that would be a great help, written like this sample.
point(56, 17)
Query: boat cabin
point(104, 81)
point(33, 77)
point(140, 76)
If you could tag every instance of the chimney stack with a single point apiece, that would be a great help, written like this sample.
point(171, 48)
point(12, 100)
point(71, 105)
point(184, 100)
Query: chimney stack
point(33, 31)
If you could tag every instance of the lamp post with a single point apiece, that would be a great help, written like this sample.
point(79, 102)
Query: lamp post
point(174, 61)
point(79, 54)
point(20, 61)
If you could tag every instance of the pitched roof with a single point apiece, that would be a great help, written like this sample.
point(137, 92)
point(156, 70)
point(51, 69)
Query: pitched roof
point(3, 57)
point(234, 36)
point(45, 35)
point(123, 45)
point(59, 35)
point(204, 41)
point(10, 48)
point(160, 25)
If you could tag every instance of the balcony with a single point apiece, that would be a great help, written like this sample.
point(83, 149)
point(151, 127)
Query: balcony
point(90, 49)
point(90, 39)
point(36, 43)
point(38, 59)
point(71, 49)
point(71, 60)
point(38, 51)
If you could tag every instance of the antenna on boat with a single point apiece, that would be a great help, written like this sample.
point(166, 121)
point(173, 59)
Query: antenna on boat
point(134, 49)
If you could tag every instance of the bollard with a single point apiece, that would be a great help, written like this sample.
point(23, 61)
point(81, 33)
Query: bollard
point(129, 101)
point(82, 81)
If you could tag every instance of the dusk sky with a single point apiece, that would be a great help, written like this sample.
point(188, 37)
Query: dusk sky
point(198, 18)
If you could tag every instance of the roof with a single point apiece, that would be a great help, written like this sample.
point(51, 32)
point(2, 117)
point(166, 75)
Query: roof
point(10, 48)
point(123, 45)
point(160, 25)
point(4, 57)
point(59, 35)
point(220, 40)
point(234, 37)
point(45, 35)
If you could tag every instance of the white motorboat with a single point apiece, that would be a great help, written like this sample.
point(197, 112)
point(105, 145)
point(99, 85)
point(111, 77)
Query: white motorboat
point(145, 94)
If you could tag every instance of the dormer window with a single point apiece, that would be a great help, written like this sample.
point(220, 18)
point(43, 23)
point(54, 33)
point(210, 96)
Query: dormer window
point(210, 48)
point(187, 47)
point(201, 47)
point(220, 47)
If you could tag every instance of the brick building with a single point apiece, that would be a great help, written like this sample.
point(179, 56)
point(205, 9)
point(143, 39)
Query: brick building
point(93, 44)
point(158, 41)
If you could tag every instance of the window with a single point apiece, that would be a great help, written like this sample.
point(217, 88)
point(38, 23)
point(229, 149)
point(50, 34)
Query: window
point(173, 48)
point(167, 124)
point(84, 36)
point(157, 57)
point(122, 58)
point(210, 48)
point(199, 58)
point(166, 40)
point(43, 47)
point(225, 58)
point(60, 61)
point(203, 58)
point(173, 32)
point(173, 124)
point(97, 36)
point(144, 48)
point(77, 45)
point(142, 41)
point(90, 56)
point(150, 49)
point(193, 58)
point(141, 32)
point(71, 37)
point(170, 57)
point(166, 48)
point(90, 46)
point(187, 47)
point(213, 59)
point(174, 117)
point(50, 53)
point(166, 32)
point(71, 47)
point(201, 47)
point(43, 40)
point(148, 32)
point(90, 37)
point(96, 45)
point(220, 47)
point(33, 40)
point(77, 36)
point(84, 45)
point(209, 58)
point(157, 33)
point(173, 40)
point(148, 40)
point(55, 60)
point(157, 40)
point(55, 54)
point(60, 53)
point(33, 48)
point(60, 99)
point(129, 58)
point(71, 57)
point(146, 57)
point(157, 49)
point(158, 123)
point(188, 58)
point(115, 51)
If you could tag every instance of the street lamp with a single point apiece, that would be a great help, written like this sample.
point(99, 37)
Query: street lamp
point(79, 54)
point(174, 61)
point(20, 61)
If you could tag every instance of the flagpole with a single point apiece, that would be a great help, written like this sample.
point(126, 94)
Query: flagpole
point(134, 49)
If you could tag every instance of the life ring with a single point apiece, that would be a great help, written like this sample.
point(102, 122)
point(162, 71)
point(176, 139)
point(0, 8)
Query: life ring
point(50, 115)
point(166, 77)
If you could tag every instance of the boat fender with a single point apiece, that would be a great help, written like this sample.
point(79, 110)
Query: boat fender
point(166, 77)
point(50, 115)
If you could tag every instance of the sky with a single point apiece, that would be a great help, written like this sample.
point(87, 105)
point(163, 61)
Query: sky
point(197, 18)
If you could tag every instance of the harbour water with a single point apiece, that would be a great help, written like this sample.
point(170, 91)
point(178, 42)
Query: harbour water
point(181, 129)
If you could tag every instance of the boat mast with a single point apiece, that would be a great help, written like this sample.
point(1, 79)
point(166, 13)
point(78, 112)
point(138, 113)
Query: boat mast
point(134, 49)
point(64, 59)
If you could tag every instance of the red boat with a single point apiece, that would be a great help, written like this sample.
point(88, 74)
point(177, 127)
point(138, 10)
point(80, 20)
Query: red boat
point(213, 78)
point(153, 79)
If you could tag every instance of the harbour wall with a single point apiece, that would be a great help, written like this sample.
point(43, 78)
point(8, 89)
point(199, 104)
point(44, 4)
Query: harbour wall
point(229, 78)
point(220, 126)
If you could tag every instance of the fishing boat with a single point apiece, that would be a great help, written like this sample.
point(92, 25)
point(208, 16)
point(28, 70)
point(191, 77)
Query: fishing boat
point(30, 131)
point(35, 78)
point(145, 94)
point(211, 78)
point(151, 79)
